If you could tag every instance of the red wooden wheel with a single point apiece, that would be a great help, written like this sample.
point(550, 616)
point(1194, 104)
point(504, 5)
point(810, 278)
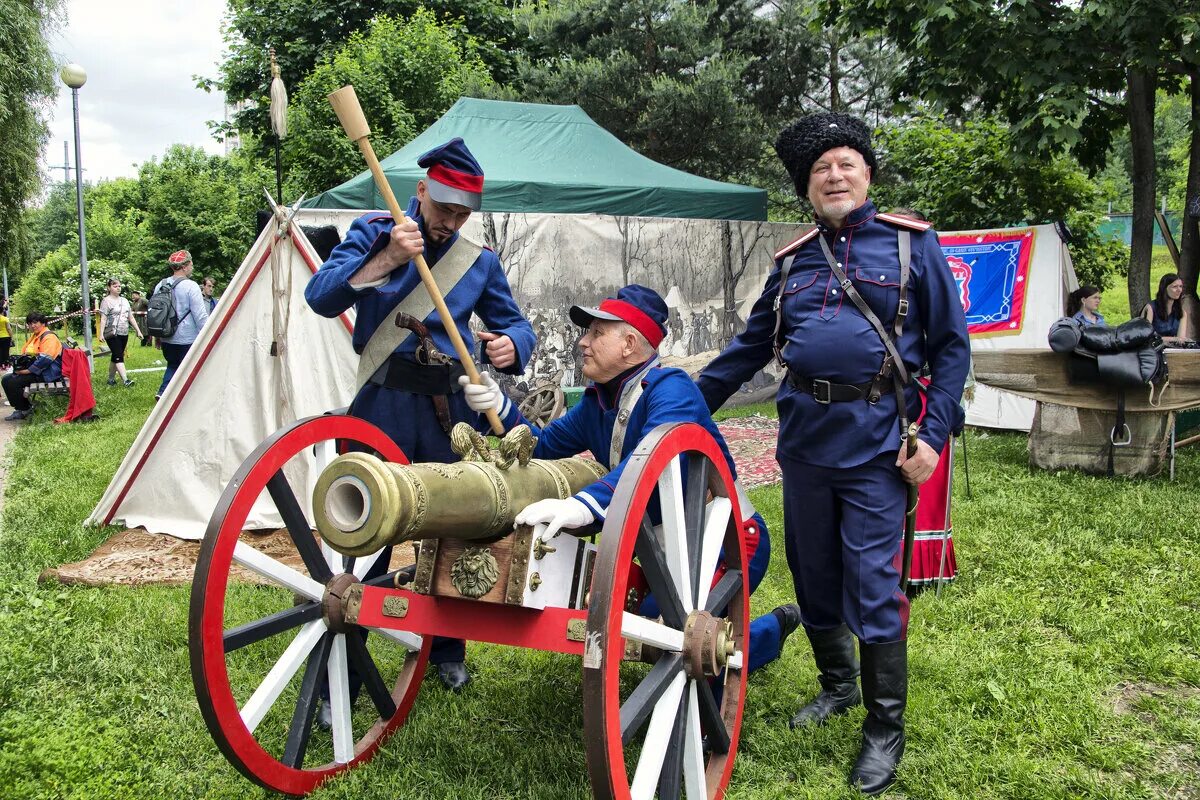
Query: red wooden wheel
point(263, 654)
point(671, 728)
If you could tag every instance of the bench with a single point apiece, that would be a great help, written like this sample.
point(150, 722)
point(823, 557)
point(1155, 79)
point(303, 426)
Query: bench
point(60, 386)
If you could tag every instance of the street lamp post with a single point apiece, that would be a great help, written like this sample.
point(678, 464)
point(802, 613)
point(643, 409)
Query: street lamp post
point(74, 76)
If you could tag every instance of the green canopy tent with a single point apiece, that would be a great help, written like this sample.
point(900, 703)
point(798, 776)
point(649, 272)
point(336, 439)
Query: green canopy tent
point(553, 159)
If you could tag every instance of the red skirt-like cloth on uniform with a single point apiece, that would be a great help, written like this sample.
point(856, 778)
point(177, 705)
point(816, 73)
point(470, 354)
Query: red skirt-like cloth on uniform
point(933, 547)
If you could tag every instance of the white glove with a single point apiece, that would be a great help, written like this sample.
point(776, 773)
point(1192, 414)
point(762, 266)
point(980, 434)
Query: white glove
point(484, 397)
point(555, 515)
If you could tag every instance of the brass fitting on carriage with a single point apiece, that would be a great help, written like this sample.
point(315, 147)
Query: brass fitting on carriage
point(362, 503)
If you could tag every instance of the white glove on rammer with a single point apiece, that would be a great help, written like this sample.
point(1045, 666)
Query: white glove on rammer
point(484, 397)
point(555, 515)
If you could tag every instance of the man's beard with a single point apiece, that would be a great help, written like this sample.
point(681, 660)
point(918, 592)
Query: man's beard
point(836, 209)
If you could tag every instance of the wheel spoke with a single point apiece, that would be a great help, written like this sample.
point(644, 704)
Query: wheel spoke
point(409, 641)
point(654, 566)
point(360, 566)
point(262, 564)
point(281, 674)
point(723, 592)
point(339, 701)
point(674, 531)
point(298, 527)
point(364, 665)
point(710, 718)
point(693, 749)
point(670, 781)
point(694, 507)
point(647, 631)
point(636, 710)
point(306, 704)
point(278, 622)
point(654, 748)
point(717, 523)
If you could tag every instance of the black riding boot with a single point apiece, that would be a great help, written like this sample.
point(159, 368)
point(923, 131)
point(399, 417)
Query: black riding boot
point(834, 653)
point(885, 693)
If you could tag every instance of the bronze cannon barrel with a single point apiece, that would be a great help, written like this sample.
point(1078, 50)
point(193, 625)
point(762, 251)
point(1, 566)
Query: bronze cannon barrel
point(362, 503)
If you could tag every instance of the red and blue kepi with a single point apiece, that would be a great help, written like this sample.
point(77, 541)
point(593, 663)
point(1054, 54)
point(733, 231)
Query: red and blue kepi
point(453, 175)
point(640, 306)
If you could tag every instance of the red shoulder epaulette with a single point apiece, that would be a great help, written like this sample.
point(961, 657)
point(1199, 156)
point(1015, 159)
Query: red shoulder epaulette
point(378, 218)
point(905, 222)
point(489, 248)
point(793, 245)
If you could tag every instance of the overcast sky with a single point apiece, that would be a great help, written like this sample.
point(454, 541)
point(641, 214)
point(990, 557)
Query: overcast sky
point(140, 96)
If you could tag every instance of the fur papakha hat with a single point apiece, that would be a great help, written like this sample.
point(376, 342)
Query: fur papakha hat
point(804, 141)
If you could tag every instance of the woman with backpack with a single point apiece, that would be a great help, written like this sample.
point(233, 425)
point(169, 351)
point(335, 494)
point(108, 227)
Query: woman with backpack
point(118, 316)
point(176, 323)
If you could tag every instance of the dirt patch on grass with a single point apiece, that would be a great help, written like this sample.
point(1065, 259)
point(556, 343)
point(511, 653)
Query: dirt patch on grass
point(1176, 765)
point(136, 557)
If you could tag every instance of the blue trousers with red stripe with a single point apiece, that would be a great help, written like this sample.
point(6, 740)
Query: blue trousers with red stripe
point(764, 631)
point(843, 537)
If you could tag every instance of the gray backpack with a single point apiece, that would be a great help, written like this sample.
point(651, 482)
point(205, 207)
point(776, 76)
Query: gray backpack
point(161, 317)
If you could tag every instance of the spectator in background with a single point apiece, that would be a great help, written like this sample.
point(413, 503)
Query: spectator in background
point(118, 316)
point(1083, 304)
point(191, 310)
point(1166, 312)
point(206, 288)
point(5, 336)
point(46, 349)
point(139, 305)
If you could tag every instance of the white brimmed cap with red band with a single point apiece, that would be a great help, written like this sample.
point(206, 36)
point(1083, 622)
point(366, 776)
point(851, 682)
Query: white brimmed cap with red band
point(453, 175)
point(637, 305)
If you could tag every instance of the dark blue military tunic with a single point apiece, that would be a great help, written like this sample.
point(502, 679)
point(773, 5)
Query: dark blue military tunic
point(843, 495)
point(407, 418)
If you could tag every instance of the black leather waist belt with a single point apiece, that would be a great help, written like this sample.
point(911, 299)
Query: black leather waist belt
point(401, 372)
point(827, 392)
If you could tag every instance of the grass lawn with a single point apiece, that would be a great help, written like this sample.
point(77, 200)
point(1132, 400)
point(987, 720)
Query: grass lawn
point(1063, 663)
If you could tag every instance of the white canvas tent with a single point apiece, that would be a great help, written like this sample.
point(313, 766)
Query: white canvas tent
point(1051, 278)
point(230, 393)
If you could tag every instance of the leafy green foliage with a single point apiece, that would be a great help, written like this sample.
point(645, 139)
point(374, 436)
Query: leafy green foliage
point(964, 177)
point(654, 73)
point(187, 200)
point(304, 33)
point(406, 74)
point(27, 85)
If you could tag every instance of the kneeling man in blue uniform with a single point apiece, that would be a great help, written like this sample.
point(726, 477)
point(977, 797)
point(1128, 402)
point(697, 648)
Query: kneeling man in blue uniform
point(411, 394)
point(630, 394)
point(852, 311)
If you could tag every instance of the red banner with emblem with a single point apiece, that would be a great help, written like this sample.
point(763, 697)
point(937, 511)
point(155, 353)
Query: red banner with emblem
point(992, 273)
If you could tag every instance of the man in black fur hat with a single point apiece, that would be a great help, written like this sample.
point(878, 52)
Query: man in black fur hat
point(854, 308)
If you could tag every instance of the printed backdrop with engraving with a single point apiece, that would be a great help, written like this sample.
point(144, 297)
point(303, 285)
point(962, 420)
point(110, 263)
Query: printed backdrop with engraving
point(992, 272)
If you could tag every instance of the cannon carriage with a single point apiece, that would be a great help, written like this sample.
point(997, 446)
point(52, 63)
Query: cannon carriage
point(273, 633)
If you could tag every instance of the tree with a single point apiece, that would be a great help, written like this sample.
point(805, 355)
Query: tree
point(26, 88)
point(654, 73)
point(406, 74)
point(191, 200)
point(966, 176)
point(1063, 75)
point(304, 33)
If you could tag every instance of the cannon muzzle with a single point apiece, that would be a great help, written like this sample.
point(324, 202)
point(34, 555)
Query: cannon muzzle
point(362, 503)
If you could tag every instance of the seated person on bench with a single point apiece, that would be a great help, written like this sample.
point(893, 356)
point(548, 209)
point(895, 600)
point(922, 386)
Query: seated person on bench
point(620, 358)
point(46, 367)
